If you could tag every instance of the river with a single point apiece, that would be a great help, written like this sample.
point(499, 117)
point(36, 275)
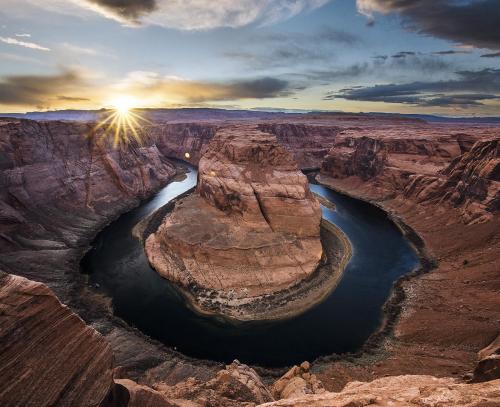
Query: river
point(117, 266)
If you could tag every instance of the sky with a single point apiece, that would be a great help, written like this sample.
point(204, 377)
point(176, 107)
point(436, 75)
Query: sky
point(407, 56)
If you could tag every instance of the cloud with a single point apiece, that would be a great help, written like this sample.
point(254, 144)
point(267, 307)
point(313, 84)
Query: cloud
point(200, 14)
point(469, 88)
point(472, 22)
point(492, 55)
point(37, 90)
point(403, 54)
point(79, 50)
point(293, 48)
point(401, 65)
point(72, 99)
point(23, 35)
point(452, 52)
point(125, 10)
point(154, 86)
point(32, 45)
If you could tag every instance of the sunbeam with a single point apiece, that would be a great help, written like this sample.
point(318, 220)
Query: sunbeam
point(122, 125)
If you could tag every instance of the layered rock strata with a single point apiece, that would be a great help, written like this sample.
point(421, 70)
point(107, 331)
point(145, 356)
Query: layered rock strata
point(252, 227)
point(402, 391)
point(58, 186)
point(48, 355)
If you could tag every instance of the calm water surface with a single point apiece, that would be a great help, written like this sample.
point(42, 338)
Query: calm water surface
point(118, 266)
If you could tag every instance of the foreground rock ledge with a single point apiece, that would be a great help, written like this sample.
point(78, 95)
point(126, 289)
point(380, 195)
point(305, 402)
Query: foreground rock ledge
point(250, 230)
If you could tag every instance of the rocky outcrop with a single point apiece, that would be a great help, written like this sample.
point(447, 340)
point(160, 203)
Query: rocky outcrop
point(308, 144)
point(402, 391)
point(471, 182)
point(184, 141)
point(297, 382)
point(363, 157)
point(48, 355)
point(235, 386)
point(488, 367)
point(252, 227)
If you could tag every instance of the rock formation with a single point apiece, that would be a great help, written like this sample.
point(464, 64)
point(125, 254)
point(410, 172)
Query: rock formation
point(57, 190)
point(236, 385)
point(48, 355)
point(488, 367)
point(297, 382)
point(402, 391)
point(252, 227)
point(58, 186)
point(363, 157)
point(308, 144)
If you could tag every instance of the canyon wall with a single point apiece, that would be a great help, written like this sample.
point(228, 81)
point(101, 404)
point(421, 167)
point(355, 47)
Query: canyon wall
point(58, 186)
point(48, 355)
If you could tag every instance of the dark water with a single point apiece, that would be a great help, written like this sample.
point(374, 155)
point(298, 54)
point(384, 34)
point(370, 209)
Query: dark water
point(341, 323)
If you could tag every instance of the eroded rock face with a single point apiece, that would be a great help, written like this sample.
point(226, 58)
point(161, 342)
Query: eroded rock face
point(58, 186)
point(471, 181)
point(488, 367)
point(363, 157)
point(297, 382)
point(235, 386)
point(402, 391)
point(48, 355)
point(251, 228)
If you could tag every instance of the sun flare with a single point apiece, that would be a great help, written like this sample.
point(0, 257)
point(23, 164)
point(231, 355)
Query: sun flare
point(123, 104)
point(122, 124)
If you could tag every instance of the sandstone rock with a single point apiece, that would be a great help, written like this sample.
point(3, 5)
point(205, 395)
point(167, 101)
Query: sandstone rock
point(251, 228)
point(177, 139)
point(130, 394)
point(364, 157)
point(48, 355)
point(488, 367)
point(297, 382)
point(471, 182)
point(58, 186)
point(402, 391)
point(236, 385)
point(308, 144)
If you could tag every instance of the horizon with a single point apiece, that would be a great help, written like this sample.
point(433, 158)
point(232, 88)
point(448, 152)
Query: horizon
point(314, 55)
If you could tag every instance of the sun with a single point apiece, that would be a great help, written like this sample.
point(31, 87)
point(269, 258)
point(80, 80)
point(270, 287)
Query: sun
point(122, 125)
point(123, 104)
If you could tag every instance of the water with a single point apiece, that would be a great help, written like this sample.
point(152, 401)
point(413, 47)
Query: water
point(341, 323)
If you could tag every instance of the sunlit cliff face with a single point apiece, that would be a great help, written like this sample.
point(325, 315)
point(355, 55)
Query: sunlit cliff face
point(121, 124)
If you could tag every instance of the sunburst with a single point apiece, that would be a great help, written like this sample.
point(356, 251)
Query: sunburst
point(122, 125)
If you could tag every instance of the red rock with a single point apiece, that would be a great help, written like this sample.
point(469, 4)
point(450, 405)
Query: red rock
point(402, 391)
point(251, 228)
point(48, 355)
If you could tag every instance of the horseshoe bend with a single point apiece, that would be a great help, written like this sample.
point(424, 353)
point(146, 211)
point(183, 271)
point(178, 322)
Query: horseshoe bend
point(244, 245)
point(250, 232)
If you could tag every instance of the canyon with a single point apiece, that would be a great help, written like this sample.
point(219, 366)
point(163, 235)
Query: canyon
point(438, 182)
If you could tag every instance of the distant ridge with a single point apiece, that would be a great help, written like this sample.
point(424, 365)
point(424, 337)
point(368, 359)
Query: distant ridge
point(165, 114)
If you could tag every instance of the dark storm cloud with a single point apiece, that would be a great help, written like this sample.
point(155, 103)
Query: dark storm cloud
point(470, 88)
point(492, 55)
point(36, 89)
point(474, 22)
point(130, 10)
